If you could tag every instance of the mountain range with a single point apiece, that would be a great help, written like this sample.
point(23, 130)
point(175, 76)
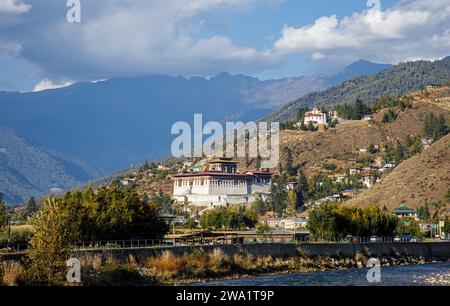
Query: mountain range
point(27, 170)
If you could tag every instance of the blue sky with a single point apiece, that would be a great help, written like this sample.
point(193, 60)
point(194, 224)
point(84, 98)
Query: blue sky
point(39, 49)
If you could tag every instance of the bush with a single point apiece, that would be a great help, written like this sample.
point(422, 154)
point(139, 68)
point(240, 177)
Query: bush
point(11, 273)
point(116, 274)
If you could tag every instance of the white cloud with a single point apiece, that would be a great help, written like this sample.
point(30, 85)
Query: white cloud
point(48, 84)
point(117, 38)
point(14, 6)
point(9, 48)
point(412, 29)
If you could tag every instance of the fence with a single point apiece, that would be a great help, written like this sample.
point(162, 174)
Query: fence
point(8, 248)
point(232, 239)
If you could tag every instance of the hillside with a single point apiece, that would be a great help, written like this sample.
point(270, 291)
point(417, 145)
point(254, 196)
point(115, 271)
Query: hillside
point(416, 181)
point(424, 178)
point(27, 170)
point(340, 144)
point(397, 80)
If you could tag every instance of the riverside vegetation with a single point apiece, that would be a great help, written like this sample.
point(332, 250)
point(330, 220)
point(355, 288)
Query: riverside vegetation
point(198, 266)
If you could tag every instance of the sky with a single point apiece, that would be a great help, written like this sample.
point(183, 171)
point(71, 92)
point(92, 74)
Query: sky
point(40, 49)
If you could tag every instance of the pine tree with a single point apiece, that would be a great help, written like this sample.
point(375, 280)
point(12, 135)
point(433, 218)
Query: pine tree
point(289, 169)
point(301, 189)
point(358, 110)
point(31, 208)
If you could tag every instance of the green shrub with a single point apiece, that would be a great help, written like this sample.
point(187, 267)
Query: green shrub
point(116, 274)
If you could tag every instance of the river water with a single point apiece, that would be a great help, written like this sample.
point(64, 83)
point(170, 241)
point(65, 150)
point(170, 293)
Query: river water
point(435, 274)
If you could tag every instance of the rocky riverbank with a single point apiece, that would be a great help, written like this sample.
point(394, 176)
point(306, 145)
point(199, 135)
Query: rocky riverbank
point(200, 266)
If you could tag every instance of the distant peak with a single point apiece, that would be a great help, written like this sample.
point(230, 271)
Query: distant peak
point(223, 75)
point(364, 62)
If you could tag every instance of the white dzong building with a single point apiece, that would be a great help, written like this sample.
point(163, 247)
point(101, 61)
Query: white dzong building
point(218, 183)
point(316, 116)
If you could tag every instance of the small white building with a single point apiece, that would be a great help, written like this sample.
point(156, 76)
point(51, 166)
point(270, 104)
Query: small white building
point(354, 171)
point(291, 185)
point(316, 117)
point(276, 223)
point(295, 223)
point(369, 180)
point(287, 223)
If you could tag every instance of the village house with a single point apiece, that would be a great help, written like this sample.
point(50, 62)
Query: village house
point(349, 193)
point(275, 223)
point(291, 185)
point(426, 143)
point(354, 171)
point(316, 116)
point(387, 166)
point(406, 212)
point(295, 223)
point(333, 114)
point(164, 168)
point(187, 164)
point(218, 183)
point(371, 169)
point(127, 181)
point(369, 180)
point(338, 178)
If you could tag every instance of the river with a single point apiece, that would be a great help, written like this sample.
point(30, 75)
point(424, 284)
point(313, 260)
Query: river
point(419, 275)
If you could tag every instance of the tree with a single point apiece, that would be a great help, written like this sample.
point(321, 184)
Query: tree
point(389, 116)
point(446, 228)
point(263, 229)
point(372, 149)
point(228, 219)
point(310, 126)
point(321, 222)
point(288, 168)
point(435, 127)
point(424, 212)
point(331, 221)
point(260, 206)
point(50, 246)
point(301, 189)
point(278, 194)
point(358, 110)
point(3, 212)
point(30, 209)
point(291, 203)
